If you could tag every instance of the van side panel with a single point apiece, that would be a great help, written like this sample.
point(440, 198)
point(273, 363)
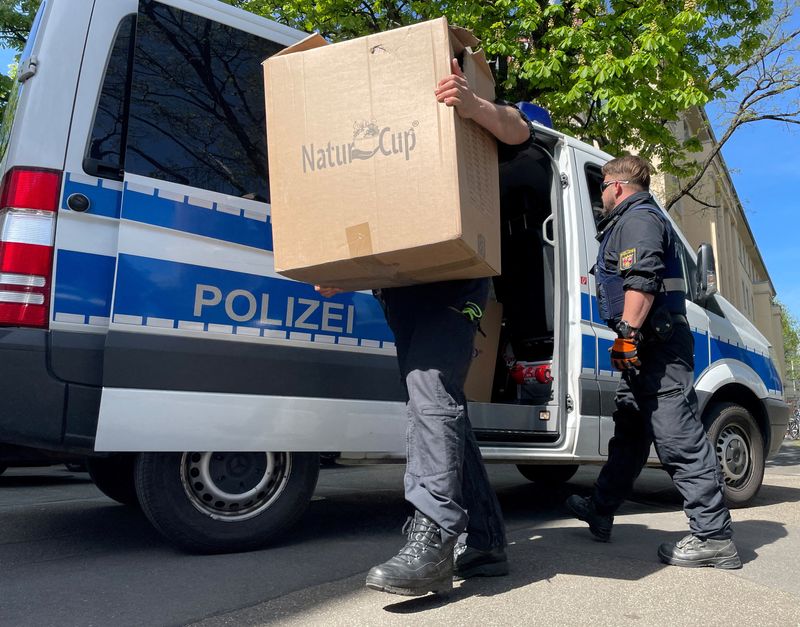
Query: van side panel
point(42, 121)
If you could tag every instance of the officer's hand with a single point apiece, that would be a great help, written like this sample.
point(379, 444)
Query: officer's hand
point(454, 91)
point(327, 292)
point(624, 356)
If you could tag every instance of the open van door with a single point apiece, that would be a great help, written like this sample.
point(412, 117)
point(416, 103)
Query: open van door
point(529, 399)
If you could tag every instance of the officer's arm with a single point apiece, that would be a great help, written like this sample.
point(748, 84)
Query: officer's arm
point(504, 122)
point(637, 306)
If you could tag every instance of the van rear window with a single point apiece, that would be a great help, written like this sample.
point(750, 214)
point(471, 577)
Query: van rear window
point(197, 103)
point(106, 144)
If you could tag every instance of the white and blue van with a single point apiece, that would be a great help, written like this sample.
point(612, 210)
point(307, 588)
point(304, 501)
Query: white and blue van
point(142, 323)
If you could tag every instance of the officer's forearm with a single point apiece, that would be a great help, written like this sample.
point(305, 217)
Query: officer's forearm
point(502, 121)
point(637, 306)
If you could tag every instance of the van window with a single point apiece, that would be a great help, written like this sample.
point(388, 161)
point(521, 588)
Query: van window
point(689, 270)
point(197, 103)
point(106, 143)
point(594, 178)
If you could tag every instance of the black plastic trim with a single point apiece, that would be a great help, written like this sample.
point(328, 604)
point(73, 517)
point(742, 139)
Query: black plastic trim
point(77, 357)
point(32, 401)
point(157, 362)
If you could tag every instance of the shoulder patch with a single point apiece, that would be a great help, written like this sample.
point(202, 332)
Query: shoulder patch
point(627, 258)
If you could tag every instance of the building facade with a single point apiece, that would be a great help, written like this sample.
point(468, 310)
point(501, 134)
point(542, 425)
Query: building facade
point(715, 215)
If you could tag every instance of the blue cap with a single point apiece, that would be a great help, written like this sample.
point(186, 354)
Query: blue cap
point(536, 113)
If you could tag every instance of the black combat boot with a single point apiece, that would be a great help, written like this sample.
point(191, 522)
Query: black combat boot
point(583, 507)
point(472, 562)
point(424, 564)
point(694, 552)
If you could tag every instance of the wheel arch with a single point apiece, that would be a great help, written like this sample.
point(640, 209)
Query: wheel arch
point(744, 396)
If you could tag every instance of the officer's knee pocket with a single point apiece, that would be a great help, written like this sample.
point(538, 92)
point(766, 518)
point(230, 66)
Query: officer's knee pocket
point(436, 440)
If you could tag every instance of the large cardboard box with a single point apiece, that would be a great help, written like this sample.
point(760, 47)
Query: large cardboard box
point(373, 183)
point(480, 379)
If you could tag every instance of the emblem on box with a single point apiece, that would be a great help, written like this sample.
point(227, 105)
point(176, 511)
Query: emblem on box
point(369, 139)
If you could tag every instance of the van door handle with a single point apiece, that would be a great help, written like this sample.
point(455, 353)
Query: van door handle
point(548, 225)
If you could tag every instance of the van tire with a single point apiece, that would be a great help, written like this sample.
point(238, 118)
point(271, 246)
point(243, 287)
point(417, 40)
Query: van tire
point(548, 475)
point(113, 476)
point(224, 502)
point(739, 447)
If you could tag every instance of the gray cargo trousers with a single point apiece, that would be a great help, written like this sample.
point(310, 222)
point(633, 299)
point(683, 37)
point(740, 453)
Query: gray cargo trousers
point(445, 478)
point(659, 405)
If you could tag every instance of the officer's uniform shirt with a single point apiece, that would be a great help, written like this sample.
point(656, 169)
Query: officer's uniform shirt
point(636, 246)
point(639, 251)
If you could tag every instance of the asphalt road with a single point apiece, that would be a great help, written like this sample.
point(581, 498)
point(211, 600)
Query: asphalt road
point(70, 556)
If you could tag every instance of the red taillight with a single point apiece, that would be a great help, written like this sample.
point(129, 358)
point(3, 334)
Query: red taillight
point(28, 205)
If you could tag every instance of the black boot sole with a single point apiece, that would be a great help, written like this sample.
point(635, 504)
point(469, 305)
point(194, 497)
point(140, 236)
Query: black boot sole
point(731, 562)
point(444, 584)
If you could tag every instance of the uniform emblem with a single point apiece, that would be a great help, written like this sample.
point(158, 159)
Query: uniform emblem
point(627, 258)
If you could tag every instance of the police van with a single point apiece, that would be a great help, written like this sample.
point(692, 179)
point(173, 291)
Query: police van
point(143, 324)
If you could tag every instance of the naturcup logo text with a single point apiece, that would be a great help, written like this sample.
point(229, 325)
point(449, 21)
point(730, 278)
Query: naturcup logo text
point(368, 140)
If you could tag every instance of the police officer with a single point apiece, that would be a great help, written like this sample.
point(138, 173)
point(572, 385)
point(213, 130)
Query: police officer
point(457, 527)
point(641, 294)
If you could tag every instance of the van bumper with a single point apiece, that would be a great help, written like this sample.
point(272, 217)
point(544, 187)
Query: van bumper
point(778, 414)
point(38, 409)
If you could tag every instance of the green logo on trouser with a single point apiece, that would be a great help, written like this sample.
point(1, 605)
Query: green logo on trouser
point(472, 311)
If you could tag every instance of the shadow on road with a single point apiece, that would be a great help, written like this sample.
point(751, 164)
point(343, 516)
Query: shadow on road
point(788, 455)
point(568, 549)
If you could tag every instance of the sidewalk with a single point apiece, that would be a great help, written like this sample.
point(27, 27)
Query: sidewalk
point(560, 576)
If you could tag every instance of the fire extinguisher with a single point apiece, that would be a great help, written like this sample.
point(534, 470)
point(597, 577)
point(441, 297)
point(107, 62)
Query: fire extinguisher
point(526, 372)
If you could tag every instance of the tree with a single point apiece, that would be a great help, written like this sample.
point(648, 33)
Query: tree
point(791, 347)
point(16, 18)
point(615, 72)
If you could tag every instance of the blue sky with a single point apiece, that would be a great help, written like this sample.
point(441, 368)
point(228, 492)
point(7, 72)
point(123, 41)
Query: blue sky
point(764, 159)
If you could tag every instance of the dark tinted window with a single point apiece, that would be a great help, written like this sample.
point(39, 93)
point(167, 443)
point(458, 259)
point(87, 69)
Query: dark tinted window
point(594, 177)
point(197, 103)
point(105, 150)
point(689, 270)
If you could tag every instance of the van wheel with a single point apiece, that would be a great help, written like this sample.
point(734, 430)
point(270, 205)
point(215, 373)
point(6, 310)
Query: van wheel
point(113, 476)
point(739, 446)
point(224, 502)
point(548, 475)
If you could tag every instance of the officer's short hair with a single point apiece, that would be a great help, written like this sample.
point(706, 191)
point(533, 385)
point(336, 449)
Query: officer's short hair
point(631, 168)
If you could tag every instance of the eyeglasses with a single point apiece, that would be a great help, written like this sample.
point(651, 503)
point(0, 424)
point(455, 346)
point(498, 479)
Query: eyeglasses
point(606, 184)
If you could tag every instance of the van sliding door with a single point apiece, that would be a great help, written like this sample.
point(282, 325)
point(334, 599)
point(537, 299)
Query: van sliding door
point(201, 328)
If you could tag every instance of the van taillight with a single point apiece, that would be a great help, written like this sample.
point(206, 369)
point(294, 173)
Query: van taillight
point(28, 205)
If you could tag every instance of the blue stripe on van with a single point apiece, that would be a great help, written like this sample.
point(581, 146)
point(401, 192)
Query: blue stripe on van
point(588, 352)
point(586, 306)
point(701, 357)
point(178, 292)
point(761, 364)
point(182, 216)
point(84, 284)
point(104, 201)
point(604, 354)
point(590, 312)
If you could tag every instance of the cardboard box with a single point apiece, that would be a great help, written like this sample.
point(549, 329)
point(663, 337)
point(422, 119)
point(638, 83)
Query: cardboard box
point(480, 378)
point(373, 183)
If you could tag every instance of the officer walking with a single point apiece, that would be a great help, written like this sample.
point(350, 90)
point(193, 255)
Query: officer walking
point(641, 294)
point(457, 527)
